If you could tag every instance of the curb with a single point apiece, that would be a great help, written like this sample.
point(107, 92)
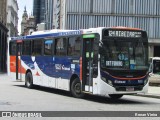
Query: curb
point(149, 95)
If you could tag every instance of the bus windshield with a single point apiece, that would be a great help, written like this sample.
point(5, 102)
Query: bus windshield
point(120, 53)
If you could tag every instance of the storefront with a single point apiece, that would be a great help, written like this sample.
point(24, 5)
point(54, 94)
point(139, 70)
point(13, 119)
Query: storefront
point(3, 48)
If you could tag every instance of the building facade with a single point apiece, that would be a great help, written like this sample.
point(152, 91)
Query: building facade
point(43, 11)
point(3, 35)
point(49, 14)
point(3, 12)
point(27, 23)
point(80, 14)
point(39, 11)
point(30, 26)
point(144, 14)
point(12, 18)
point(56, 13)
point(24, 21)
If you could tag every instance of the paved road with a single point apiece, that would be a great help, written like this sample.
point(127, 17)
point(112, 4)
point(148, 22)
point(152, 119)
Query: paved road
point(14, 96)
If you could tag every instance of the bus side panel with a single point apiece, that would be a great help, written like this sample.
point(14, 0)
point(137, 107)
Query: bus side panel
point(13, 64)
point(65, 67)
point(21, 69)
point(13, 68)
point(54, 71)
point(30, 64)
point(51, 71)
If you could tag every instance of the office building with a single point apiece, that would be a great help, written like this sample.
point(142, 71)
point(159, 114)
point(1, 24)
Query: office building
point(143, 14)
point(39, 11)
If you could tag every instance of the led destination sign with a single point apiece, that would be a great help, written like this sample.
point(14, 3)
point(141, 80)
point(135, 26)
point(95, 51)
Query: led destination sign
point(132, 34)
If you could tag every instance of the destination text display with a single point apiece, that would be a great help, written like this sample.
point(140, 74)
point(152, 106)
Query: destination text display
point(132, 34)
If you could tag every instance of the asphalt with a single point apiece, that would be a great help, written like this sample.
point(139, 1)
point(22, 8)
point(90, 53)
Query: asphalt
point(153, 89)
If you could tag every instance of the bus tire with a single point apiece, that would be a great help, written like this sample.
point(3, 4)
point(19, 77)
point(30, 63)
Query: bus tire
point(29, 80)
point(115, 96)
point(76, 88)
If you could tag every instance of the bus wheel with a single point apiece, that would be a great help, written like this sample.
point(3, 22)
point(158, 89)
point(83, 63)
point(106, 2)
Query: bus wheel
point(76, 89)
point(29, 80)
point(115, 96)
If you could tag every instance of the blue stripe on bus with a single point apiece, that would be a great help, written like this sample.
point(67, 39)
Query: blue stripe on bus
point(54, 66)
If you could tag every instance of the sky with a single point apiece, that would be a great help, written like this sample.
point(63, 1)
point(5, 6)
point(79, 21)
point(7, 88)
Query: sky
point(21, 5)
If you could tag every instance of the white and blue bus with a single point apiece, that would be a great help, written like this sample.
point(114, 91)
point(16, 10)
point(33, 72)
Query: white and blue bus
point(58, 59)
point(98, 61)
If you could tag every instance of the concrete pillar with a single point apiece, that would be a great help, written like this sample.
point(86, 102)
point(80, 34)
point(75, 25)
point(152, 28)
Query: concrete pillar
point(151, 50)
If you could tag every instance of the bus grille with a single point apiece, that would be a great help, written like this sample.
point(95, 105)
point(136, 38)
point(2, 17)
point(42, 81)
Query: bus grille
point(136, 88)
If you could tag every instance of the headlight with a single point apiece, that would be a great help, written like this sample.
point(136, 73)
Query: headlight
point(104, 79)
point(107, 81)
point(110, 82)
point(140, 81)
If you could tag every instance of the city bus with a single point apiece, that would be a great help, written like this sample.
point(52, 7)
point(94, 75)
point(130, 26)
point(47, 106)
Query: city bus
point(59, 59)
point(99, 61)
point(154, 70)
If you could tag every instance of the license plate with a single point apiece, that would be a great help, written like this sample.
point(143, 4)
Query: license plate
point(130, 89)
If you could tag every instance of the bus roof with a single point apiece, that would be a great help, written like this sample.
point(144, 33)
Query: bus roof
point(124, 28)
point(95, 30)
point(155, 58)
point(50, 33)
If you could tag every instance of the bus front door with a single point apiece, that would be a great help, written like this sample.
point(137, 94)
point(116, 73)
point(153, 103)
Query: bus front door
point(18, 60)
point(87, 65)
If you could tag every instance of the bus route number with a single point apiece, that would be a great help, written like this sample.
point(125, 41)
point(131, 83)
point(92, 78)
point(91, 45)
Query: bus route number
point(114, 63)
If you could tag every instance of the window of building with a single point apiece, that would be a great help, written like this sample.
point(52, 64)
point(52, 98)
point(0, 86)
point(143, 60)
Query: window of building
point(26, 48)
point(61, 46)
point(48, 47)
point(36, 47)
point(74, 46)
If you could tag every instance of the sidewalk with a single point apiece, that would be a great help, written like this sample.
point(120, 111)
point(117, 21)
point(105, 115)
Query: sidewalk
point(153, 91)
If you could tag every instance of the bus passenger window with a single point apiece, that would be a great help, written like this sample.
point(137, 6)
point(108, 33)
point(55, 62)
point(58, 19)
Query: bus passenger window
point(74, 46)
point(48, 47)
point(36, 47)
point(12, 48)
point(61, 46)
point(26, 50)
